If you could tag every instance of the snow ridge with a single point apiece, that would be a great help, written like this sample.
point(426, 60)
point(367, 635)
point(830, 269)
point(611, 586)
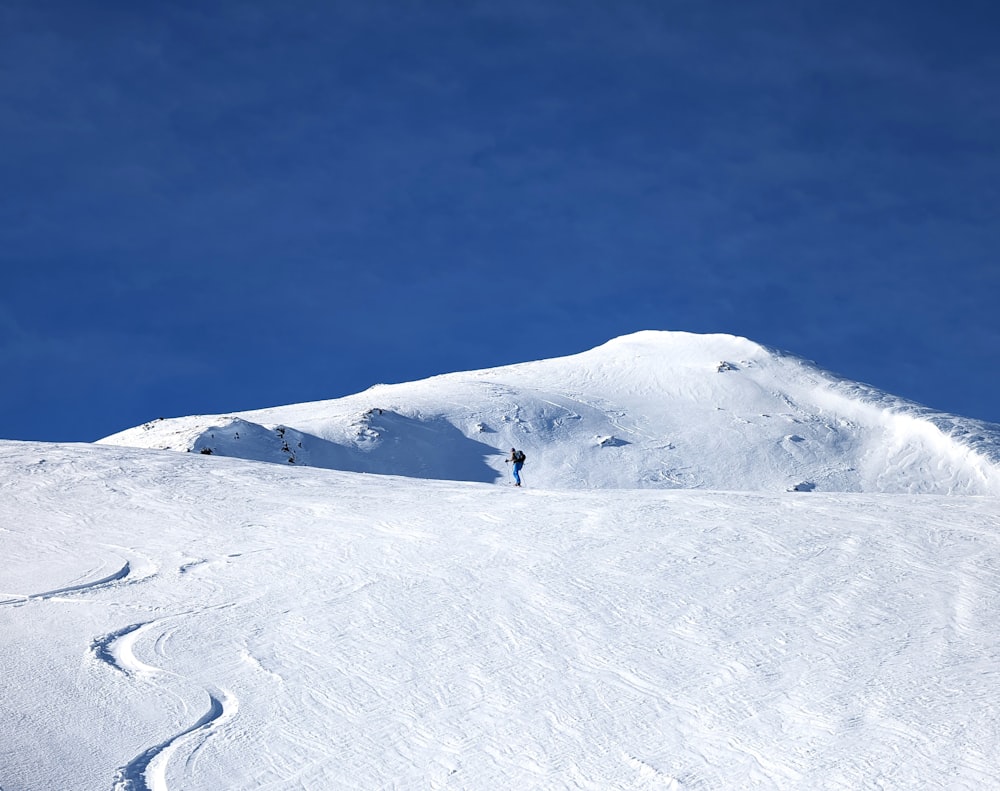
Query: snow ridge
point(649, 410)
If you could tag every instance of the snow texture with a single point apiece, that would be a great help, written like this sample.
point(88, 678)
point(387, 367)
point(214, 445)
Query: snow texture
point(193, 622)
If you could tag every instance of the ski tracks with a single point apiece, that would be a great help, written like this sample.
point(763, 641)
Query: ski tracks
point(116, 650)
point(147, 770)
point(120, 574)
point(130, 571)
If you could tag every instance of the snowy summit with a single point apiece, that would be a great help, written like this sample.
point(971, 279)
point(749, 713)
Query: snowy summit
point(660, 607)
point(649, 410)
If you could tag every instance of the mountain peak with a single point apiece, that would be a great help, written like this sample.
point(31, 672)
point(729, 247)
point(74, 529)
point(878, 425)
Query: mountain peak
point(652, 409)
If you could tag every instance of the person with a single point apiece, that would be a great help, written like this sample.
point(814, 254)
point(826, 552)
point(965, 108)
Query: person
point(517, 457)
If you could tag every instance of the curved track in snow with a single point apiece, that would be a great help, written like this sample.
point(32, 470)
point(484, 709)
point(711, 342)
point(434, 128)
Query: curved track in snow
point(147, 771)
point(116, 576)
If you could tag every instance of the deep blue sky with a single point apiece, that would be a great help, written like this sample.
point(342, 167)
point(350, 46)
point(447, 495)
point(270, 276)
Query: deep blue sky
point(208, 207)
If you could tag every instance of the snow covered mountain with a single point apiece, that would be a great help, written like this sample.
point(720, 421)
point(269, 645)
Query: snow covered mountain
point(649, 410)
point(176, 621)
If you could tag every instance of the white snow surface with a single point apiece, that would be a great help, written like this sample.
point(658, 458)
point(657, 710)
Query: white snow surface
point(649, 410)
point(185, 622)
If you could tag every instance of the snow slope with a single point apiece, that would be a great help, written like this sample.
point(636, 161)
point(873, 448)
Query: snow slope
point(649, 410)
point(171, 622)
point(179, 621)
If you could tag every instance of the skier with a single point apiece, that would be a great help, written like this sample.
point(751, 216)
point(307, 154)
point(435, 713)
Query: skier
point(516, 456)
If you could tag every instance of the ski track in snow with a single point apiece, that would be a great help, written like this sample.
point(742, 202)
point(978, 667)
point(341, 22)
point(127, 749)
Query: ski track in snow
point(116, 650)
point(147, 771)
point(92, 585)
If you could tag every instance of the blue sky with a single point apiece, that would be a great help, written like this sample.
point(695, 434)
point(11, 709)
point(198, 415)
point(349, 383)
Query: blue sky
point(209, 207)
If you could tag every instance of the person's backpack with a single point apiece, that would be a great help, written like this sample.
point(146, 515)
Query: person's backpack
point(519, 457)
